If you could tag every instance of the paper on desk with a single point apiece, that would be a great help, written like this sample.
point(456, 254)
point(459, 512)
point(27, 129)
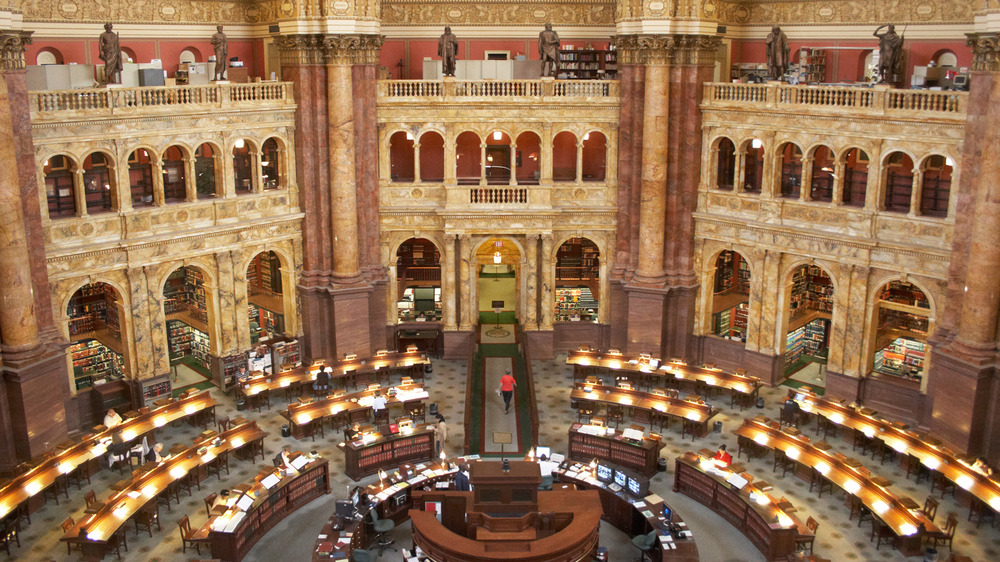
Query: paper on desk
point(653, 499)
point(299, 461)
point(666, 538)
point(234, 522)
point(640, 504)
point(736, 480)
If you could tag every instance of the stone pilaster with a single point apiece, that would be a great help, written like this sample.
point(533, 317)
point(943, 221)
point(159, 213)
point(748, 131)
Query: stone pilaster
point(531, 252)
point(448, 285)
point(549, 283)
point(465, 264)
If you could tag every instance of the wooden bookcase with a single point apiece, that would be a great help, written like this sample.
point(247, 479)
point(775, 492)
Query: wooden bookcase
point(387, 453)
point(639, 457)
point(588, 64)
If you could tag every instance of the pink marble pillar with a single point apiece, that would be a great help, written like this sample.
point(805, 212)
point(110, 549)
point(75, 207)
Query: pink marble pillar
point(340, 107)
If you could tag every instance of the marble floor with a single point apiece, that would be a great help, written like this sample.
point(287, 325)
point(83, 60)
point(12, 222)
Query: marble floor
point(293, 539)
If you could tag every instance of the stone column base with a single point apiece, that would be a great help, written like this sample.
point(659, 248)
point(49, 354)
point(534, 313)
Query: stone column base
point(458, 344)
point(36, 392)
point(963, 405)
point(539, 344)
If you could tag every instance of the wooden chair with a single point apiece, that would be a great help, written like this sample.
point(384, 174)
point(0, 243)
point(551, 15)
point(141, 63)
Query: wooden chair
point(169, 494)
point(940, 482)
point(881, 533)
point(224, 424)
point(209, 501)
point(77, 475)
point(585, 409)
point(91, 499)
point(147, 516)
point(859, 509)
point(805, 542)
point(788, 417)
point(187, 535)
point(782, 461)
point(914, 465)
point(416, 410)
point(216, 465)
point(882, 451)
point(57, 487)
point(861, 440)
point(615, 414)
point(826, 427)
point(821, 482)
point(311, 428)
point(947, 535)
point(117, 541)
point(980, 511)
point(66, 526)
point(930, 508)
point(261, 399)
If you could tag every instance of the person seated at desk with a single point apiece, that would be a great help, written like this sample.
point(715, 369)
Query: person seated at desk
point(112, 419)
point(283, 460)
point(118, 449)
point(154, 454)
point(791, 409)
point(462, 479)
point(322, 381)
point(243, 375)
point(222, 499)
point(546, 466)
point(722, 458)
point(378, 404)
point(352, 433)
point(982, 467)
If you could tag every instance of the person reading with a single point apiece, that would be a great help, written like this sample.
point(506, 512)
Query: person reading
point(153, 455)
point(112, 419)
point(283, 460)
point(378, 404)
point(722, 458)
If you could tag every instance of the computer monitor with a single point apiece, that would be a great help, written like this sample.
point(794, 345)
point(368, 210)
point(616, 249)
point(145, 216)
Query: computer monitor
point(344, 508)
point(355, 497)
point(634, 486)
point(543, 452)
point(667, 514)
point(603, 473)
point(800, 396)
point(620, 478)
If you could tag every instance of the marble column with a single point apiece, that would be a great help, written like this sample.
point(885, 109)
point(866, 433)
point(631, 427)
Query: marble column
point(450, 158)
point(579, 161)
point(190, 180)
point(545, 158)
point(547, 304)
point(142, 335)
point(531, 298)
point(79, 195)
point(840, 170)
point(916, 191)
point(805, 190)
point(655, 146)
point(222, 316)
point(416, 162)
point(448, 287)
point(158, 362)
point(340, 108)
point(465, 259)
point(241, 300)
point(157, 170)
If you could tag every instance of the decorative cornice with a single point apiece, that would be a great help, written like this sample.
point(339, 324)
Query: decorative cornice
point(12, 47)
point(329, 49)
point(985, 51)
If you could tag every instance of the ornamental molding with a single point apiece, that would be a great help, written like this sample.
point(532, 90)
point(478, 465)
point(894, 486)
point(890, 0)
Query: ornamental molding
point(329, 49)
point(12, 47)
point(985, 51)
point(830, 12)
point(663, 49)
point(588, 13)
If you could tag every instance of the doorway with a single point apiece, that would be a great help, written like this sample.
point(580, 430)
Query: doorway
point(497, 267)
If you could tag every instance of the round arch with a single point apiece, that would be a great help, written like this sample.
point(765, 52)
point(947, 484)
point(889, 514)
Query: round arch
point(417, 274)
point(578, 284)
point(807, 298)
point(503, 281)
point(93, 312)
point(899, 326)
point(58, 172)
point(789, 158)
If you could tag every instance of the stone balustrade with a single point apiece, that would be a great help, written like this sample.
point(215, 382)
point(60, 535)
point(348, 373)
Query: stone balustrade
point(532, 91)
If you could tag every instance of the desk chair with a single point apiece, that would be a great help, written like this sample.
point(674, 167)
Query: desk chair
point(584, 410)
point(315, 425)
point(940, 482)
point(261, 399)
point(805, 542)
point(361, 555)
point(861, 440)
point(10, 531)
point(546, 484)
point(416, 410)
point(146, 517)
point(690, 427)
point(59, 486)
point(821, 482)
point(858, 508)
point(66, 526)
point(224, 424)
point(881, 533)
point(209, 500)
point(931, 507)
point(947, 535)
point(980, 511)
point(826, 427)
point(782, 461)
point(382, 527)
point(615, 414)
point(216, 465)
point(187, 535)
point(787, 417)
point(81, 471)
point(645, 543)
point(914, 465)
point(117, 541)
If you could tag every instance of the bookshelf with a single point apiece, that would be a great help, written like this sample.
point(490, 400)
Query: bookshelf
point(155, 388)
point(94, 361)
point(588, 64)
point(812, 65)
point(640, 457)
point(387, 453)
point(747, 71)
point(576, 303)
point(94, 308)
point(793, 346)
point(286, 353)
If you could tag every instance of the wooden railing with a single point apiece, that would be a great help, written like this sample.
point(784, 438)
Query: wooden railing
point(875, 101)
point(394, 90)
point(110, 101)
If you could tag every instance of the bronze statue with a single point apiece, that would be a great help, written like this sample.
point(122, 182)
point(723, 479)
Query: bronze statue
point(221, 46)
point(777, 53)
point(548, 48)
point(447, 49)
point(890, 47)
point(111, 54)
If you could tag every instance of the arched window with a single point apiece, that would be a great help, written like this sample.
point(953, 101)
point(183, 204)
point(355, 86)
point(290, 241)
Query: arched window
point(578, 271)
point(529, 152)
point(725, 174)
point(855, 177)
point(753, 167)
point(791, 170)
point(936, 188)
point(271, 165)
point(188, 308)
point(564, 157)
point(822, 175)
point(431, 157)
point(95, 321)
point(809, 297)
point(401, 157)
point(98, 184)
point(243, 166)
point(498, 160)
point(468, 167)
point(204, 169)
point(898, 182)
point(61, 195)
point(174, 175)
point(595, 151)
point(140, 178)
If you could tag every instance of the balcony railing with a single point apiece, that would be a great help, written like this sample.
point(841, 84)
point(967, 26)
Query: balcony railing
point(95, 102)
point(513, 90)
point(498, 195)
point(839, 99)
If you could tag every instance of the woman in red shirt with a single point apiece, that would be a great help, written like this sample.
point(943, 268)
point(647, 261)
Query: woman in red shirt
point(507, 384)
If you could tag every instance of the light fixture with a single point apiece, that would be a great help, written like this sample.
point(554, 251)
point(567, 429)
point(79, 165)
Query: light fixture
point(586, 136)
point(948, 161)
point(240, 143)
point(497, 258)
point(756, 143)
point(409, 135)
point(497, 135)
point(265, 163)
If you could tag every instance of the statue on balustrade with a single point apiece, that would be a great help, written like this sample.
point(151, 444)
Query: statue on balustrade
point(447, 50)
point(111, 53)
point(777, 53)
point(221, 46)
point(890, 50)
point(548, 48)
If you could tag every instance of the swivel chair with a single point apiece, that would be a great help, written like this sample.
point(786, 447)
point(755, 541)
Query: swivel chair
point(645, 543)
point(383, 527)
point(546, 484)
point(361, 555)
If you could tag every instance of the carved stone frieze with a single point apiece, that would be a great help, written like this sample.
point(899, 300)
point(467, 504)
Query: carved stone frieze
point(827, 12)
point(12, 47)
point(494, 12)
point(985, 51)
point(224, 12)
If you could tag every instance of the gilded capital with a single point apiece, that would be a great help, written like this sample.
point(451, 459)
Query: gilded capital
point(368, 49)
point(985, 51)
point(12, 47)
point(696, 49)
point(341, 49)
point(627, 47)
point(655, 49)
point(300, 49)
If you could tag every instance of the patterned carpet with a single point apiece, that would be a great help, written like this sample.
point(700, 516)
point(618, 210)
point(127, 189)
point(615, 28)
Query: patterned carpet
point(293, 539)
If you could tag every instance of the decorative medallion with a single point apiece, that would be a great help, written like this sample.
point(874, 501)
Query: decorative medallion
point(455, 14)
point(656, 8)
point(287, 8)
point(825, 12)
point(253, 14)
point(709, 8)
point(86, 229)
point(540, 15)
point(168, 11)
point(416, 193)
point(579, 194)
point(341, 7)
point(181, 216)
point(68, 9)
point(925, 10)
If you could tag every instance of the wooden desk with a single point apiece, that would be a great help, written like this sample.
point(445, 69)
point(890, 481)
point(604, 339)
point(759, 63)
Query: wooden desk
point(674, 370)
point(268, 509)
point(699, 414)
point(355, 403)
point(576, 517)
point(642, 457)
point(620, 511)
point(772, 530)
point(387, 451)
point(122, 505)
point(93, 447)
point(344, 372)
point(883, 502)
point(931, 454)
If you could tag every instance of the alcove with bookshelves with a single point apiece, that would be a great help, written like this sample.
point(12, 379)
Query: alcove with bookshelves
point(731, 296)
point(810, 312)
point(94, 314)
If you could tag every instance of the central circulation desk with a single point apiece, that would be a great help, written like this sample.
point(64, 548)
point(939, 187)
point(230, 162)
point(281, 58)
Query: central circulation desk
point(929, 452)
point(233, 532)
point(690, 412)
point(768, 523)
point(848, 476)
point(346, 372)
point(642, 457)
point(355, 405)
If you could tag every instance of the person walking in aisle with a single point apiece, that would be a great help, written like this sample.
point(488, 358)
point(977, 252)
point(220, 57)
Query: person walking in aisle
point(441, 432)
point(507, 385)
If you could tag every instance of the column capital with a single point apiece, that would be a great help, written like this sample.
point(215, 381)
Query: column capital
point(352, 49)
point(985, 51)
point(300, 49)
point(12, 47)
point(531, 237)
point(663, 49)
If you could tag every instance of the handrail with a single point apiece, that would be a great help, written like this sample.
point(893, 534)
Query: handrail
point(120, 100)
point(878, 101)
point(393, 90)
